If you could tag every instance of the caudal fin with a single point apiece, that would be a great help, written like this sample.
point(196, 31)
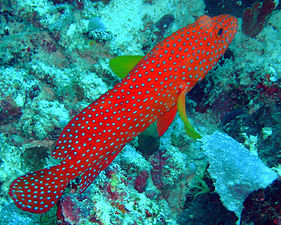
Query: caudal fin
point(39, 191)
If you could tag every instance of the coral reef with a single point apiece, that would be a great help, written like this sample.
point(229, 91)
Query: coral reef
point(54, 62)
point(131, 197)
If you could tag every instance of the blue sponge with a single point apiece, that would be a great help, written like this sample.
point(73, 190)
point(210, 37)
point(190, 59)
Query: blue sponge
point(236, 172)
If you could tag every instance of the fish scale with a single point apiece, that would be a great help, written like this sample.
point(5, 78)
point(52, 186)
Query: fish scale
point(153, 90)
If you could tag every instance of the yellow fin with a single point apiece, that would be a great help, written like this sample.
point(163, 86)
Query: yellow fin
point(122, 65)
point(191, 132)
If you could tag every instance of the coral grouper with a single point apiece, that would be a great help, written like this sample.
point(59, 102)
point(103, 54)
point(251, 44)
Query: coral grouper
point(153, 90)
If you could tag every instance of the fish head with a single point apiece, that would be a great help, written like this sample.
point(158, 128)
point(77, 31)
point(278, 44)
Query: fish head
point(208, 38)
point(224, 28)
point(219, 32)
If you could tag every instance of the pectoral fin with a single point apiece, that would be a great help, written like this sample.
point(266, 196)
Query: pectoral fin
point(191, 132)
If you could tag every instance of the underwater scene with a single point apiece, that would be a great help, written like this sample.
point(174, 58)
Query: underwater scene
point(139, 112)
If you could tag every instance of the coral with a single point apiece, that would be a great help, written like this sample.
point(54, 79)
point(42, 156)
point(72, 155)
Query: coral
point(9, 111)
point(100, 36)
point(114, 193)
point(154, 32)
point(33, 92)
point(263, 206)
point(158, 161)
point(112, 200)
point(10, 161)
point(27, 42)
point(268, 91)
point(10, 214)
point(59, 1)
point(149, 1)
point(141, 181)
point(68, 211)
point(79, 4)
point(274, 19)
point(255, 17)
point(199, 184)
point(139, 32)
point(35, 157)
point(171, 175)
point(42, 118)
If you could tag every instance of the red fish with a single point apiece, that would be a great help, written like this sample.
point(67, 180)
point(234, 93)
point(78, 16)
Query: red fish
point(153, 90)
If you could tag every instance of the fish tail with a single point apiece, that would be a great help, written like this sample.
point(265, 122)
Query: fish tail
point(37, 192)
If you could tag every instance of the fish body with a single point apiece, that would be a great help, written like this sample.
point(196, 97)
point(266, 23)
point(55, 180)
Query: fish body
point(153, 90)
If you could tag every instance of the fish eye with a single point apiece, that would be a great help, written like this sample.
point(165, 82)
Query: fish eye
point(220, 32)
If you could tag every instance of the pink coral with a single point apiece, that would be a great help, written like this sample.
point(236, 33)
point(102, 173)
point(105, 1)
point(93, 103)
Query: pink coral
point(255, 17)
point(141, 181)
point(158, 161)
point(9, 111)
point(68, 211)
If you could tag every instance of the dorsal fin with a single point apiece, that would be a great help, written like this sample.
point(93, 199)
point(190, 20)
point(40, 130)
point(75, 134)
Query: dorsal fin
point(203, 19)
point(122, 65)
